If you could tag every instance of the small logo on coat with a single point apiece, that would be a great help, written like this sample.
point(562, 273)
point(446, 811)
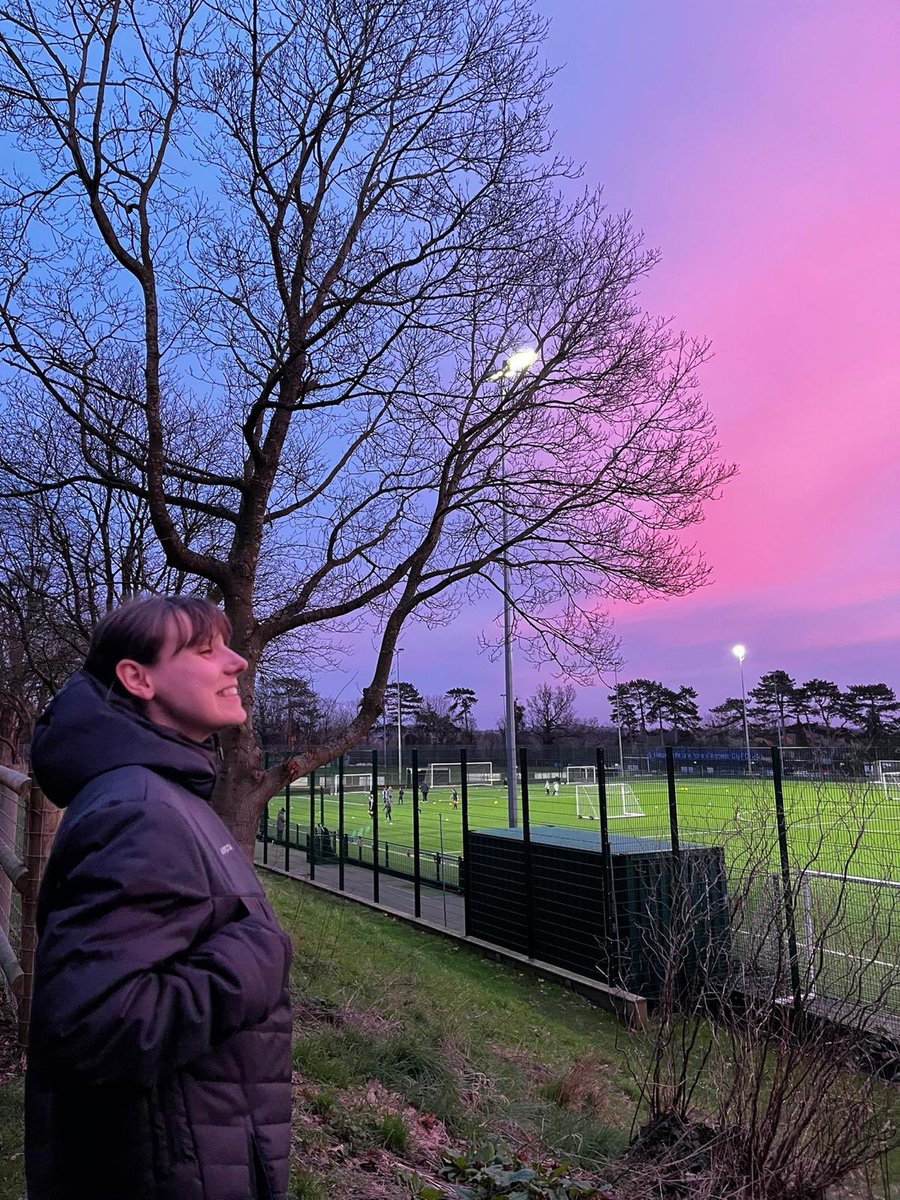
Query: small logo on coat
point(226, 849)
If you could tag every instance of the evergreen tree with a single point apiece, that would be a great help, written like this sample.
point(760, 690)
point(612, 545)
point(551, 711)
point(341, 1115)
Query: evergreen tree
point(727, 715)
point(873, 708)
point(822, 700)
point(411, 702)
point(624, 711)
point(684, 711)
point(772, 699)
point(462, 701)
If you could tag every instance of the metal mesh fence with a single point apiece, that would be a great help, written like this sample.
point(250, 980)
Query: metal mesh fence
point(27, 828)
point(13, 802)
point(679, 867)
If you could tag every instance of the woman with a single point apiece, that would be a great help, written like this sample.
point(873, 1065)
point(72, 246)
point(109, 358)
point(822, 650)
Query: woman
point(159, 1064)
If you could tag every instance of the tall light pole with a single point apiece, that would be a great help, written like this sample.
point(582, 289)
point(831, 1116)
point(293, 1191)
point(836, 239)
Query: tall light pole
point(514, 365)
point(739, 653)
point(619, 726)
point(399, 724)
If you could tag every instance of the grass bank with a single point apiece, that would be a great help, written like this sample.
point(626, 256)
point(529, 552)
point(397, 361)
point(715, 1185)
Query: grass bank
point(408, 1046)
point(405, 1043)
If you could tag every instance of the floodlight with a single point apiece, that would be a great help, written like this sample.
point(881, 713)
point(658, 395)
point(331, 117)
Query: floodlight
point(520, 361)
point(515, 364)
point(739, 653)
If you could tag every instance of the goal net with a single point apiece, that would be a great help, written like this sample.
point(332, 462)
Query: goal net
point(889, 776)
point(621, 801)
point(581, 774)
point(450, 774)
point(355, 782)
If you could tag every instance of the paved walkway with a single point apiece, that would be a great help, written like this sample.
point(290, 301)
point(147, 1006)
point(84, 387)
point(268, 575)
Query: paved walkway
point(438, 907)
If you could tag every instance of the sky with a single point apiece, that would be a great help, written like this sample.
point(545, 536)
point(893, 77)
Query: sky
point(756, 146)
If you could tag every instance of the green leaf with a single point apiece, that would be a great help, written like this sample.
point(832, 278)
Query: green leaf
point(525, 1175)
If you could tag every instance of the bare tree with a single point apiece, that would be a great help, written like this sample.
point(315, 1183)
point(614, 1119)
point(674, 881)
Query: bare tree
point(66, 555)
point(265, 262)
point(550, 712)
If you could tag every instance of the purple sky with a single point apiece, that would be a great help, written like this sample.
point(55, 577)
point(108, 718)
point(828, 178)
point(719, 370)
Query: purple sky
point(757, 147)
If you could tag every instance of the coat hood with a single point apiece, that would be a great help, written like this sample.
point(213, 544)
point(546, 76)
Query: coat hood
point(87, 730)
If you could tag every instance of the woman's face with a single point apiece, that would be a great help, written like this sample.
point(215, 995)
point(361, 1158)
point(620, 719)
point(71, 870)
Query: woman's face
point(192, 690)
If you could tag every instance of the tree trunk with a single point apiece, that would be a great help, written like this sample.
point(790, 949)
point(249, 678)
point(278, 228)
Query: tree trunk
point(10, 733)
point(244, 786)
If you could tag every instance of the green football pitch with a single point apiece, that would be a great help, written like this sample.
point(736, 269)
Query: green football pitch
point(843, 845)
point(851, 828)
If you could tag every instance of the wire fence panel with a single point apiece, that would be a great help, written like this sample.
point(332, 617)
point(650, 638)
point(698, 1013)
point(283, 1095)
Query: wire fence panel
point(28, 824)
point(781, 876)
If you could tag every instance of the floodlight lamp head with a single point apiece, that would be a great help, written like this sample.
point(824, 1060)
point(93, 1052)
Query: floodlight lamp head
point(520, 360)
point(515, 364)
point(739, 652)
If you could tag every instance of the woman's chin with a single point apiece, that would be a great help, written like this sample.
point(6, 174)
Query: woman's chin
point(235, 715)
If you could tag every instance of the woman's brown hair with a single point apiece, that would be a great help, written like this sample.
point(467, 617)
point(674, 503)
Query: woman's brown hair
point(138, 629)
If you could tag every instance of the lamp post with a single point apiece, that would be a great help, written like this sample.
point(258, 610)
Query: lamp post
point(514, 365)
point(619, 726)
point(739, 653)
point(399, 724)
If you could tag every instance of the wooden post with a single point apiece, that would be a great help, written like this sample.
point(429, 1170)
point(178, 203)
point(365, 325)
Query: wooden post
point(41, 822)
point(13, 792)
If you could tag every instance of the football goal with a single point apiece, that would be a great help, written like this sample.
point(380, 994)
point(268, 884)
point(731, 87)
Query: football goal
point(621, 801)
point(581, 774)
point(889, 776)
point(478, 774)
point(355, 782)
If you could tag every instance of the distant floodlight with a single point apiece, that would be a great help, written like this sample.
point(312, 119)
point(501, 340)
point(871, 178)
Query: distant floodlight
point(739, 652)
point(520, 361)
point(516, 363)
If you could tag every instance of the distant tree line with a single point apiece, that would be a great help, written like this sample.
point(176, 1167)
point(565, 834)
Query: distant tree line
point(817, 714)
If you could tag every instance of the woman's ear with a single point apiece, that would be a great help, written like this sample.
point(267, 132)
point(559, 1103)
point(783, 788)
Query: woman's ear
point(135, 679)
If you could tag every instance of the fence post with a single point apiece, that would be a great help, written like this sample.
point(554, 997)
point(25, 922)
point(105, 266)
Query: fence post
point(14, 791)
point(376, 877)
point(311, 855)
point(417, 874)
point(14, 788)
point(673, 804)
point(463, 880)
point(41, 822)
point(526, 854)
point(681, 920)
point(287, 827)
point(610, 917)
point(786, 878)
point(341, 823)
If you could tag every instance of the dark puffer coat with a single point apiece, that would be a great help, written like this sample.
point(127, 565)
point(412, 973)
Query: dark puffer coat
point(159, 1064)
